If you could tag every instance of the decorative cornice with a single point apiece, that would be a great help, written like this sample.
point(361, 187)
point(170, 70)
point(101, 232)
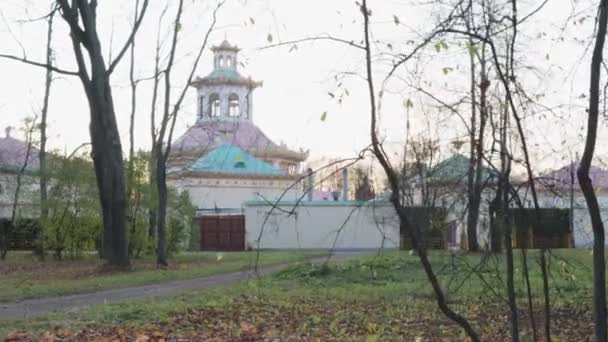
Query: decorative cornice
point(210, 175)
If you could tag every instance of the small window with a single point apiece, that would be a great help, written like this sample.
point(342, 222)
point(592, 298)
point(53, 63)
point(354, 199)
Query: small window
point(214, 105)
point(233, 103)
point(221, 63)
point(239, 165)
point(200, 106)
point(229, 62)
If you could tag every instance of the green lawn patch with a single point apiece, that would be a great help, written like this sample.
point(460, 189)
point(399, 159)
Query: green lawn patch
point(24, 278)
point(379, 298)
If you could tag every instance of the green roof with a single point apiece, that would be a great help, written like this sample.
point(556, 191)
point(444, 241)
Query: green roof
point(223, 73)
point(455, 169)
point(232, 159)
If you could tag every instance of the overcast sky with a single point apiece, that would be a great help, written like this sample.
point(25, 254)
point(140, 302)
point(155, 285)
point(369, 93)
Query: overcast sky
point(297, 83)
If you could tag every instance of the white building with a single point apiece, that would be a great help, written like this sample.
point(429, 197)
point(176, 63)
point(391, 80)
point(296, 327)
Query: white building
point(17, 159)
point(224, 159)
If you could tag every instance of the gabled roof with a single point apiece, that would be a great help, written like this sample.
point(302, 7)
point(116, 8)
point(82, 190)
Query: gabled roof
point(456, 169)
point(230, 159)
point(13, 155)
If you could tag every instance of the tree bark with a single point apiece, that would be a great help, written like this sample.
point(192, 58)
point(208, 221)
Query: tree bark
point(161, 215)
point(132, 205)
point(39, 243)
point(108, 162)
point(162, 143)
point(161, 157)
point(503, 194)
point(599, 263)
point(81, 17)
point(473, 200)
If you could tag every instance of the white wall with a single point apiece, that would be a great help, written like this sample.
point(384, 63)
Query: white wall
point(583, 233)
point(28, 196)
point(207, 193)
point(319, 224)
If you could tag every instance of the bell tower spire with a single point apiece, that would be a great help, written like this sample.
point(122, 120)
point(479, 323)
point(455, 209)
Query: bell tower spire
point(225, 56)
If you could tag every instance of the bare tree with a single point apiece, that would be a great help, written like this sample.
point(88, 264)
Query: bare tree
point(393, 180)
point(39, 243)
point(163, 139)
point(81, 17)
point(599, 263)
point(133, 205)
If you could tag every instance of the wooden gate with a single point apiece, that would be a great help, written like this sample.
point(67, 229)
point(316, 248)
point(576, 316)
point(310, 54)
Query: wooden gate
point(222, 233)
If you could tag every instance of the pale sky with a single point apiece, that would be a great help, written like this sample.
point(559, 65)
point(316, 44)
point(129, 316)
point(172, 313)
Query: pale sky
point(294, 96)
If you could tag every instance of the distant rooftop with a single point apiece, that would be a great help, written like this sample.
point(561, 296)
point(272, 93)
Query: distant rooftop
point(13, 153)
point(562, 177)
point(455, 169)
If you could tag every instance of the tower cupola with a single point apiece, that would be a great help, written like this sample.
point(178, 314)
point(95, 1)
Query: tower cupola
point(224, 94)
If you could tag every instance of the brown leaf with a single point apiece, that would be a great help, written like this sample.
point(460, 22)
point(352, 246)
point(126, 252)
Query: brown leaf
point(142, 338)
point(16, 336)
point(248, 328)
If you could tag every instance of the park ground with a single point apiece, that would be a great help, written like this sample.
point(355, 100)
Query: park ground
point(380, 297)
point(24, 277)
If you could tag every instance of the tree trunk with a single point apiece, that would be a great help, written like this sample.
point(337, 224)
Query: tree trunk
point(108, 162)
point(132, 207)
point(473, 198)
point(44, 212)
point(81, 16)
point(472, 215)
point(161, 217)
point(503, 195)
point(599, 263)
point(477, 185)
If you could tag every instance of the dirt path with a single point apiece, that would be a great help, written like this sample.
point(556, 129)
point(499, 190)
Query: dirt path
point(33, 307)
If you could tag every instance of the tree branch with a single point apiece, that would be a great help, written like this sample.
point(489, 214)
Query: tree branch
point(325, 37)
point(129, 41)
point(38, 64)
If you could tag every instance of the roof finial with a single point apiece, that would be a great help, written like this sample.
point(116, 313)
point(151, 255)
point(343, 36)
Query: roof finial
point(8, 130)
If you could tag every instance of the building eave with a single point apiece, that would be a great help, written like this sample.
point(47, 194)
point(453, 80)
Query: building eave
point(215, 175)
point(248, 82)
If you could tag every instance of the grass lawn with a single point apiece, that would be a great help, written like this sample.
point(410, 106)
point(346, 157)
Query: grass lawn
point(382, 298)
point(23, 277)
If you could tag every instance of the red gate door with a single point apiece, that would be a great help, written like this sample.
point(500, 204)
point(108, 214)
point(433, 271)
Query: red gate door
point(223, 233)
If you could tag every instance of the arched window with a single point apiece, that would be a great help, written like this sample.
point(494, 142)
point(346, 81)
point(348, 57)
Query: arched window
point(221, 63)
point(233, 104)
point(239, 165)
point(229, 62)
point(214, 105)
